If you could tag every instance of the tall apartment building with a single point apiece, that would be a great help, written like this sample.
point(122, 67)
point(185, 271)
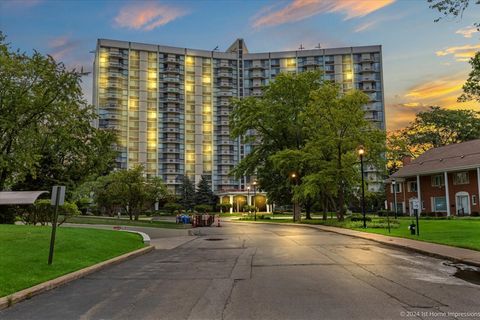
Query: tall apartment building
point(171, 106)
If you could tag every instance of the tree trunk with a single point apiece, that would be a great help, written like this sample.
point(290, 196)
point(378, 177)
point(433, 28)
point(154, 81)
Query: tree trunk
point(325, 206)
point(308, 209)
point(341, 189)
point(296, 212)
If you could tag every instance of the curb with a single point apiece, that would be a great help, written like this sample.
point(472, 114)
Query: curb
point(16, 297)
point(384, 242)
point(145, 237)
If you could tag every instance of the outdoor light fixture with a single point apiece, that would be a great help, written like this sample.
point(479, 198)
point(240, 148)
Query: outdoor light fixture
point(361, 152)
point(394, 185)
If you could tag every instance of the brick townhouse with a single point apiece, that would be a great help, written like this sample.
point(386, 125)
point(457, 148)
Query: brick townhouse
point(444, 180)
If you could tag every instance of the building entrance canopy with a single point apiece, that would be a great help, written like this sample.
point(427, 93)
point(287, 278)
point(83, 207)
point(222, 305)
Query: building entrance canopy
point(19, 197)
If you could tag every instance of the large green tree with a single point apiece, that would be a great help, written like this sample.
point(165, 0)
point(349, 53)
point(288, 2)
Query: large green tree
point(471, 88)
point(276, 118)
point(308, 128)
point(46, 135)
point(129, 190)
point(336, 128)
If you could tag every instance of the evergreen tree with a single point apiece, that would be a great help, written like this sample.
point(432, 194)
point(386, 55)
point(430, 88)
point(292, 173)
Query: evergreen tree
point(187, 193)
point(204, 194)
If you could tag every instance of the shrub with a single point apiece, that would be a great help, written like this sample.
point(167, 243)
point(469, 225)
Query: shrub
point(359, 217)
point(42, 212)
point(475, 214)
point(172, 207)
point(203, 208)
point(225, 207)
point(7, 215)
point(383, 213)
point(247, 208)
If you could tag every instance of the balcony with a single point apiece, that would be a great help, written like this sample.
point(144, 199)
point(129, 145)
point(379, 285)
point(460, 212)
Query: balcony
point(225, 75)
point(257, 75)
point(172, 60)
point(225, 94)
point(171, 79)
point(171, 90)
point(366, 79)
point(172, 70)
point(171, 130)
point(223, 84)
point(225, 65)
point(171, 120)
point(169, 160)
point(225, 143)
point(311, 63)
point(170, 150)
point(258, 67)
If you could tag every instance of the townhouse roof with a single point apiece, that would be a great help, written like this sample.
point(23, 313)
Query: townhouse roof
point(453, 157)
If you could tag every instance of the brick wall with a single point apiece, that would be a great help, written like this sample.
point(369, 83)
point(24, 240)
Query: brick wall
point(428, 192)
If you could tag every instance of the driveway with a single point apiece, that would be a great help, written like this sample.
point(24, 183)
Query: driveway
point(261, 271)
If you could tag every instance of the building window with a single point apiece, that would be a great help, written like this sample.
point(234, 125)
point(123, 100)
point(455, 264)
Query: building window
point(474, 199)
point(460, 178)
point(438, 180)
point(412, 186)
point(439, 204)
point(398, 188)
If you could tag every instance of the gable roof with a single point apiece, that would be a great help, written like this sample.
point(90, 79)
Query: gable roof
point(453, 157)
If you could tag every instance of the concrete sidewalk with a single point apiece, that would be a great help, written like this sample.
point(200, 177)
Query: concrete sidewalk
point(461, 255)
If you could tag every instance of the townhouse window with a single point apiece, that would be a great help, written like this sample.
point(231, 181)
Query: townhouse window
point(398, 188)
point(439, 204)
point(438, 180)
point(412, 186)
point(474, 199)
point(460, 178)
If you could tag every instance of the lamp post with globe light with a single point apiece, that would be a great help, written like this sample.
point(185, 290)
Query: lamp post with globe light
point(361, 153)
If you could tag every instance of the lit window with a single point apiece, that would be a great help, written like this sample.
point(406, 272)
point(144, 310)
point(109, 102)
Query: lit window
point(412, 186)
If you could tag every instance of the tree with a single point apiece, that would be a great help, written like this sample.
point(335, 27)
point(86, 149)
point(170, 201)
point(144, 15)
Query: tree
point(452, 8)
point(276, 118)
point(187, 193)
point(336, 128)
point(129, 190)
point(434, 128)
point(45, 132)
point(471, 88)
point(204, 193)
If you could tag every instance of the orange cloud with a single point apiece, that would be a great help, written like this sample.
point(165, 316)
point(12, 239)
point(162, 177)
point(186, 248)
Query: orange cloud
point(147, 16)
point(461, 53)
point(441, 92)
point(299, 10)
point(467, 32)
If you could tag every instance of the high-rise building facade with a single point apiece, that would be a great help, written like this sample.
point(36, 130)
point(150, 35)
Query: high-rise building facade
point(170, 106)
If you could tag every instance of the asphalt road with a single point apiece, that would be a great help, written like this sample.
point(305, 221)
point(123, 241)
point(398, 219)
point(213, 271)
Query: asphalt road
point(244, 271)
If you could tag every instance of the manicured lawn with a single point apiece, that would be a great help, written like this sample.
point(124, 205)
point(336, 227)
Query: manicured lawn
point(24, 252)
point(459, 232)
point(125, 222)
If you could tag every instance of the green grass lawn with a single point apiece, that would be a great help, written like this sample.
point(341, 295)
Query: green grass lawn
point(459, 232)
point(24, 252)
point(126, 222)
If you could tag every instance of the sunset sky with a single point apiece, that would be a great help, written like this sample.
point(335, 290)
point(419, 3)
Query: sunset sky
point(425, 63)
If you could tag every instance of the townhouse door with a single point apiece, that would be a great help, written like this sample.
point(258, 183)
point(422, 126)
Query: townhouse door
point(463, 205)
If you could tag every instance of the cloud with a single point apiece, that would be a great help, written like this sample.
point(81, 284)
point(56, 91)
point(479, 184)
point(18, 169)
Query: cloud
point(467, 31)
point(62, 47)
point(441, 92)
point(299, 10)
point(365, 26)
point(461, 53)
point(147, 16)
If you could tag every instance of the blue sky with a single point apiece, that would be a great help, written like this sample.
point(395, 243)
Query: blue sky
point(425, 63)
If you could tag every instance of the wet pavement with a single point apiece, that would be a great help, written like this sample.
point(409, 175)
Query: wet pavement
point(260, 271)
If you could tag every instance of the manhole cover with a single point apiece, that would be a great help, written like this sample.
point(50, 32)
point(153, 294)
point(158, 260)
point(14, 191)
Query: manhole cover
point(213, 239)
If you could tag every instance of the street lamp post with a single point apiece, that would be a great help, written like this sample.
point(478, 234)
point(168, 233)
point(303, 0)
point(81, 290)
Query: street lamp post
point(248, 197)
point(254, 198)
point(394, 187)
point(361, 152)
point(296, 206)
